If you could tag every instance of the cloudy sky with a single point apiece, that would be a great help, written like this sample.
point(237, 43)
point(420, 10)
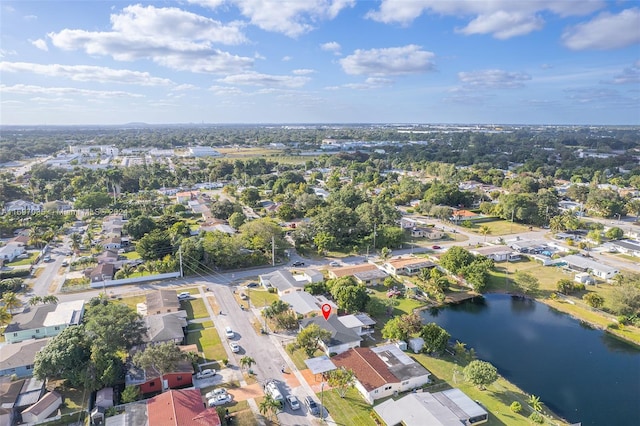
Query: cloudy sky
point(320, 61)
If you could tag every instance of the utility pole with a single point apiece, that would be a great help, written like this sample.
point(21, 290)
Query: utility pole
point(273, 250)
point(180, 257)
point(513, 212)
point(375, 227)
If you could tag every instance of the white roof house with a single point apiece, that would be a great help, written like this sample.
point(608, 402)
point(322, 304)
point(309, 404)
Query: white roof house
point(283, 281)
point(44, 321)
point(584, 264)
point(301, 302)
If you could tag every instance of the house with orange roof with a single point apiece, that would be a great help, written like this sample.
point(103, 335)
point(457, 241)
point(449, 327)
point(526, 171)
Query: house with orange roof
point(461, 215)
point(382, 371)
point(366, 274)
point(180, 408)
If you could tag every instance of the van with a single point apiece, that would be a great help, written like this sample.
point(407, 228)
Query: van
point(272, 389)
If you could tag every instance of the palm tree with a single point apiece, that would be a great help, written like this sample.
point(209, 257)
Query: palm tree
point(269, 406)
point(76, 239)
point(5, 316)
point(385, 253)
point(11, 301)
point(484, 230)
point(534, 402)
point(126, 270)
point(50, 299)
point(142, 268)
point(246, 362)
point(35, 300)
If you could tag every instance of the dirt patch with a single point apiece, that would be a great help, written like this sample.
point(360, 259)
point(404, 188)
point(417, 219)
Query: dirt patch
point(247, 392)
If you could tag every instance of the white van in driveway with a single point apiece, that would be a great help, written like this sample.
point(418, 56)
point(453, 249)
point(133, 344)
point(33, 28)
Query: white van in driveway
point(271, 387)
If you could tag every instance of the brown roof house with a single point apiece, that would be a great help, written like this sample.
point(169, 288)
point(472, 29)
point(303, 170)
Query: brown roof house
point(366, 274)
point(382, 371)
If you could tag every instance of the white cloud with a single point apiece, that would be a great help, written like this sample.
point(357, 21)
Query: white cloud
point(292, 18)
point(265, 80)
point(605, 32)
point(410, 59)
point(332, 46)
point(286, 58)
point(4, 53)
point(182, 87)
point(492, 79)
point(599, 96)
point(303, 71)
point(24, 89)
point(86, 73)
point(226, 90)
point(30, 18)
point(141, 33)
point(501, 18)
point(40, 44)
point(370, 83)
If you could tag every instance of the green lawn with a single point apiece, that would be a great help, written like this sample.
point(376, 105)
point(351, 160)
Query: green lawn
point(498, 227)
point(496, 398)
point(261, 297)
point(132, 255)
point(299, 356)
point(132, 301)
point(351, 410)
point(22, 262)
point(195, 308)
point(208, 341)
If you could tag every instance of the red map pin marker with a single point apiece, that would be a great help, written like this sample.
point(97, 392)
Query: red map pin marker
point(326, 310)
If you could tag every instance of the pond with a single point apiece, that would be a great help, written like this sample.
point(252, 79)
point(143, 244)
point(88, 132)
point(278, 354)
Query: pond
point(582, 374)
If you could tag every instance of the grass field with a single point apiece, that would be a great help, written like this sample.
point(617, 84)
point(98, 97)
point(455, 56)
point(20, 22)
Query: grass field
point(132, 301)
point(195, 308)
point(261, 297)
point(132, 255)
point(351, 410)
point(208, 342)
point(22, 262)
point(498, 227)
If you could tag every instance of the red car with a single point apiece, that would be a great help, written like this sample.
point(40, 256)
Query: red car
point(436, 247)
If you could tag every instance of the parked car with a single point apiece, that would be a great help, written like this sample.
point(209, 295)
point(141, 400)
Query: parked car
point(220, 400)
point(297, 263)
point(436, 247)
point(229, 333)
point(214, 393)
point(207, 372)
point(271, 387)
point(252, 285)
point(293, 402)
point(235, 347)
point(334, 263)
point(313, 407)
point(184, 295)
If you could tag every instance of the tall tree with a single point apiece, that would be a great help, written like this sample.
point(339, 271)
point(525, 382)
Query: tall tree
point(11, 301)
point(480, 373)
point(435, 338)
point(526, 283)
point(341, 380)
point(310, 337)
point(162, 358)
point(113, 326)
point(246, 362)
point(66, 356)
point(269, 406)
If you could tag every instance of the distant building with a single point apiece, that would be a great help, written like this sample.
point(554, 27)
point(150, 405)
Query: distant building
point(202, 151)
point(44, 321)
point(407, 266)
point(22, 207)
point(367, 274)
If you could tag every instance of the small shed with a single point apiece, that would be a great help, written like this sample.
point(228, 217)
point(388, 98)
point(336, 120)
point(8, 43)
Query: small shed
point(104, 398)
point(43, 408)
point(584, 278)
point(416, 344)
point(402, 345)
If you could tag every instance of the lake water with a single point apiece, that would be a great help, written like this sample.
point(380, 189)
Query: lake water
point(580, 373)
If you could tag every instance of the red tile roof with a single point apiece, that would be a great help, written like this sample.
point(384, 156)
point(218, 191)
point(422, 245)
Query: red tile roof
point(180, 408)
point(368, 368)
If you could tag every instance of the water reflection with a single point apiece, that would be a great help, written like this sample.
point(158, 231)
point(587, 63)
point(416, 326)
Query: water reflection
point(522, 305)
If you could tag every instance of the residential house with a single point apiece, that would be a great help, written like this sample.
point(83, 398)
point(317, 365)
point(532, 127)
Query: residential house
point(102, 272)
point(162, 302)
point(22, 207)
point(57, 206)
point(202, 151)
point(496, 253)
point(10, 251)
point(629, 247)
point(9, 393)
point(180, 408)
point(302, 302)
point(312, 276)
point(108, 256)
point(165, 328)
point(583, 264)
point(282, 280)
point(113, 224)
point(342, 338)
point(461, 215)
point(367, 274)
point(428, 232)
point(149, 380)
point(112, 243)
point(186, 196)
point(40, 321)
point(42, 409)
point(18, 358)
point(407, 266)
point(449, 407)
point(382, 371)
point(362, 324)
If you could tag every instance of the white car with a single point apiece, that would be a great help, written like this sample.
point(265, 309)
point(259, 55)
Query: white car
point(293, 402)
point(229, 333)
point(271, 387)
point(184, 295)
point(208, 372)
point(235, 347)
point(334, 263)
point(220, 400)
point(215, 393)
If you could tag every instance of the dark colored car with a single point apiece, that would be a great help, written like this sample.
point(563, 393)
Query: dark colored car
point(297, 263)
point(436, 247)
point(313, 407)
point(252, 285)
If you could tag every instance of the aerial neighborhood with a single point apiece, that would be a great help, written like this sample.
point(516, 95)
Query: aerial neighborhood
point(266, 275)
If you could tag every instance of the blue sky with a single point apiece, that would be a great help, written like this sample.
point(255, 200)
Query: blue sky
point(320, 61)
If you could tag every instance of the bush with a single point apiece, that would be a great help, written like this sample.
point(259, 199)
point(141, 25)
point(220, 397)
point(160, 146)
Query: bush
point(516, 407)
point(536, 417)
